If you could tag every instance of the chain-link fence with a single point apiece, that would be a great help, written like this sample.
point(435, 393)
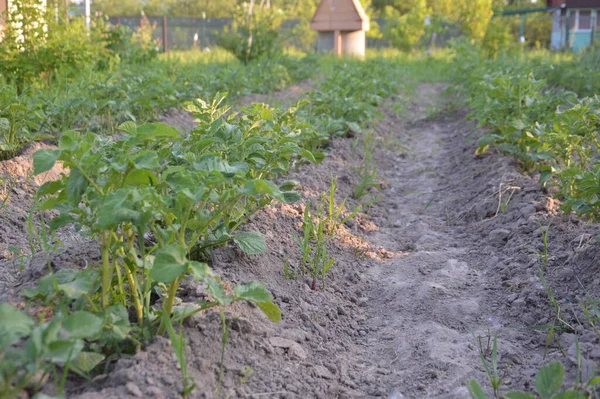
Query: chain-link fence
point(176, 33)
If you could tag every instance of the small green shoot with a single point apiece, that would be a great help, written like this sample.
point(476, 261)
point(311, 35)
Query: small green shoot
point(491, 370)
point(544, 255)
point(367, 171)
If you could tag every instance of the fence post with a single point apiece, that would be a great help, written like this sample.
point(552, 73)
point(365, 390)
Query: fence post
point(164, 34)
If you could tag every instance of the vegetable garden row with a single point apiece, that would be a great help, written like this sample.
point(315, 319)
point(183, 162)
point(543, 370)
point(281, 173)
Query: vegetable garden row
point(540, 114)
point(158, 200)
point(546, 115)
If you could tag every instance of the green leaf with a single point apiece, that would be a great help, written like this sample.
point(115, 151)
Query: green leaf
point(116, 209)
point(76, 186)
point(262, 187)
point(489, 139)
point(169, 263)
point(327, 267)
point(128, 127)
point(291, 197)
point(594, 381)
point(251, 243)
point(4, 124)
point(549, 379)
point(62, 351)
point(545, 176)
point(253, 292)
point(519, 124)
point(519, 395)
point(199, 270)
point(44, 160)
point(60, 221)
point(83, 325)
point(82, 285)
point(146, 159)
point(181, 313)
point(116, 323)
point(289, 185)
point(69, 140)
point(270, 310)
point(14, 325)
point(354, 127)
point(85, 362)
point(141, 177)
point(310, 156)
point(213, 163)
point(50, 187)
point(157, 130)
point(218, 292)
point(476, 391)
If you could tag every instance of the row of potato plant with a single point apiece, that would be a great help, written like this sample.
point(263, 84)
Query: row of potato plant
point(151, 197)
point(100, 101)
point(549, 130)
point(552, 132)
point(158, 201)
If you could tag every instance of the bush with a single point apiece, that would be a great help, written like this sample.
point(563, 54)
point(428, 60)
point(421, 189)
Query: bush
point(253, 34)
point(133, 47)
point(40, 47)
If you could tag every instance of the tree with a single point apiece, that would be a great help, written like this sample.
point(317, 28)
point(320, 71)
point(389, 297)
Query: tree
point(474, 17)
point(117, 7)
point(405, 29)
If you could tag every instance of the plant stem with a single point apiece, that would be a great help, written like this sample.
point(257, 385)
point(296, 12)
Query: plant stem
point(136, 297)
point(106, 272)
point(169, 304)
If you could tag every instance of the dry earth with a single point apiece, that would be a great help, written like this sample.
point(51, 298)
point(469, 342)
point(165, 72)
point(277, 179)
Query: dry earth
point(449, 253)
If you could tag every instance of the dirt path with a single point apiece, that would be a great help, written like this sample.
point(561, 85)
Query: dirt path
point(426, 302)
point(476, 228)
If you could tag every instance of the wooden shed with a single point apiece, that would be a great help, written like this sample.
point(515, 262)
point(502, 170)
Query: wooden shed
point(342, 27)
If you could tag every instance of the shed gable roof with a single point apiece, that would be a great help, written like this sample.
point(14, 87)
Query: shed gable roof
point(344, 15)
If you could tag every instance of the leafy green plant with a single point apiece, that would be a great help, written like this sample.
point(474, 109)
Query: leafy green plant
point(544, 255)
point(17, 124)
point(153, 197)
point(335, 213)
point(490, 369)
point(367, 172)
point(315, 260)
point(319, 226)
point(31, 351)
point(549, 384)
point(289, 273)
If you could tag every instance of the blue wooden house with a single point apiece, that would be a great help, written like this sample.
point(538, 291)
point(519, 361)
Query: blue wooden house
point(575, 23)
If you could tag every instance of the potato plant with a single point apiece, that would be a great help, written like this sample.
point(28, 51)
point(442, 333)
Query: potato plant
point(152, 197)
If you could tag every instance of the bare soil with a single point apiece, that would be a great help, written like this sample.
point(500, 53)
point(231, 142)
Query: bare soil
point(449, 253)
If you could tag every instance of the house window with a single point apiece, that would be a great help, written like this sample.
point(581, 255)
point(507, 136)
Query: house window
point(584, 20)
